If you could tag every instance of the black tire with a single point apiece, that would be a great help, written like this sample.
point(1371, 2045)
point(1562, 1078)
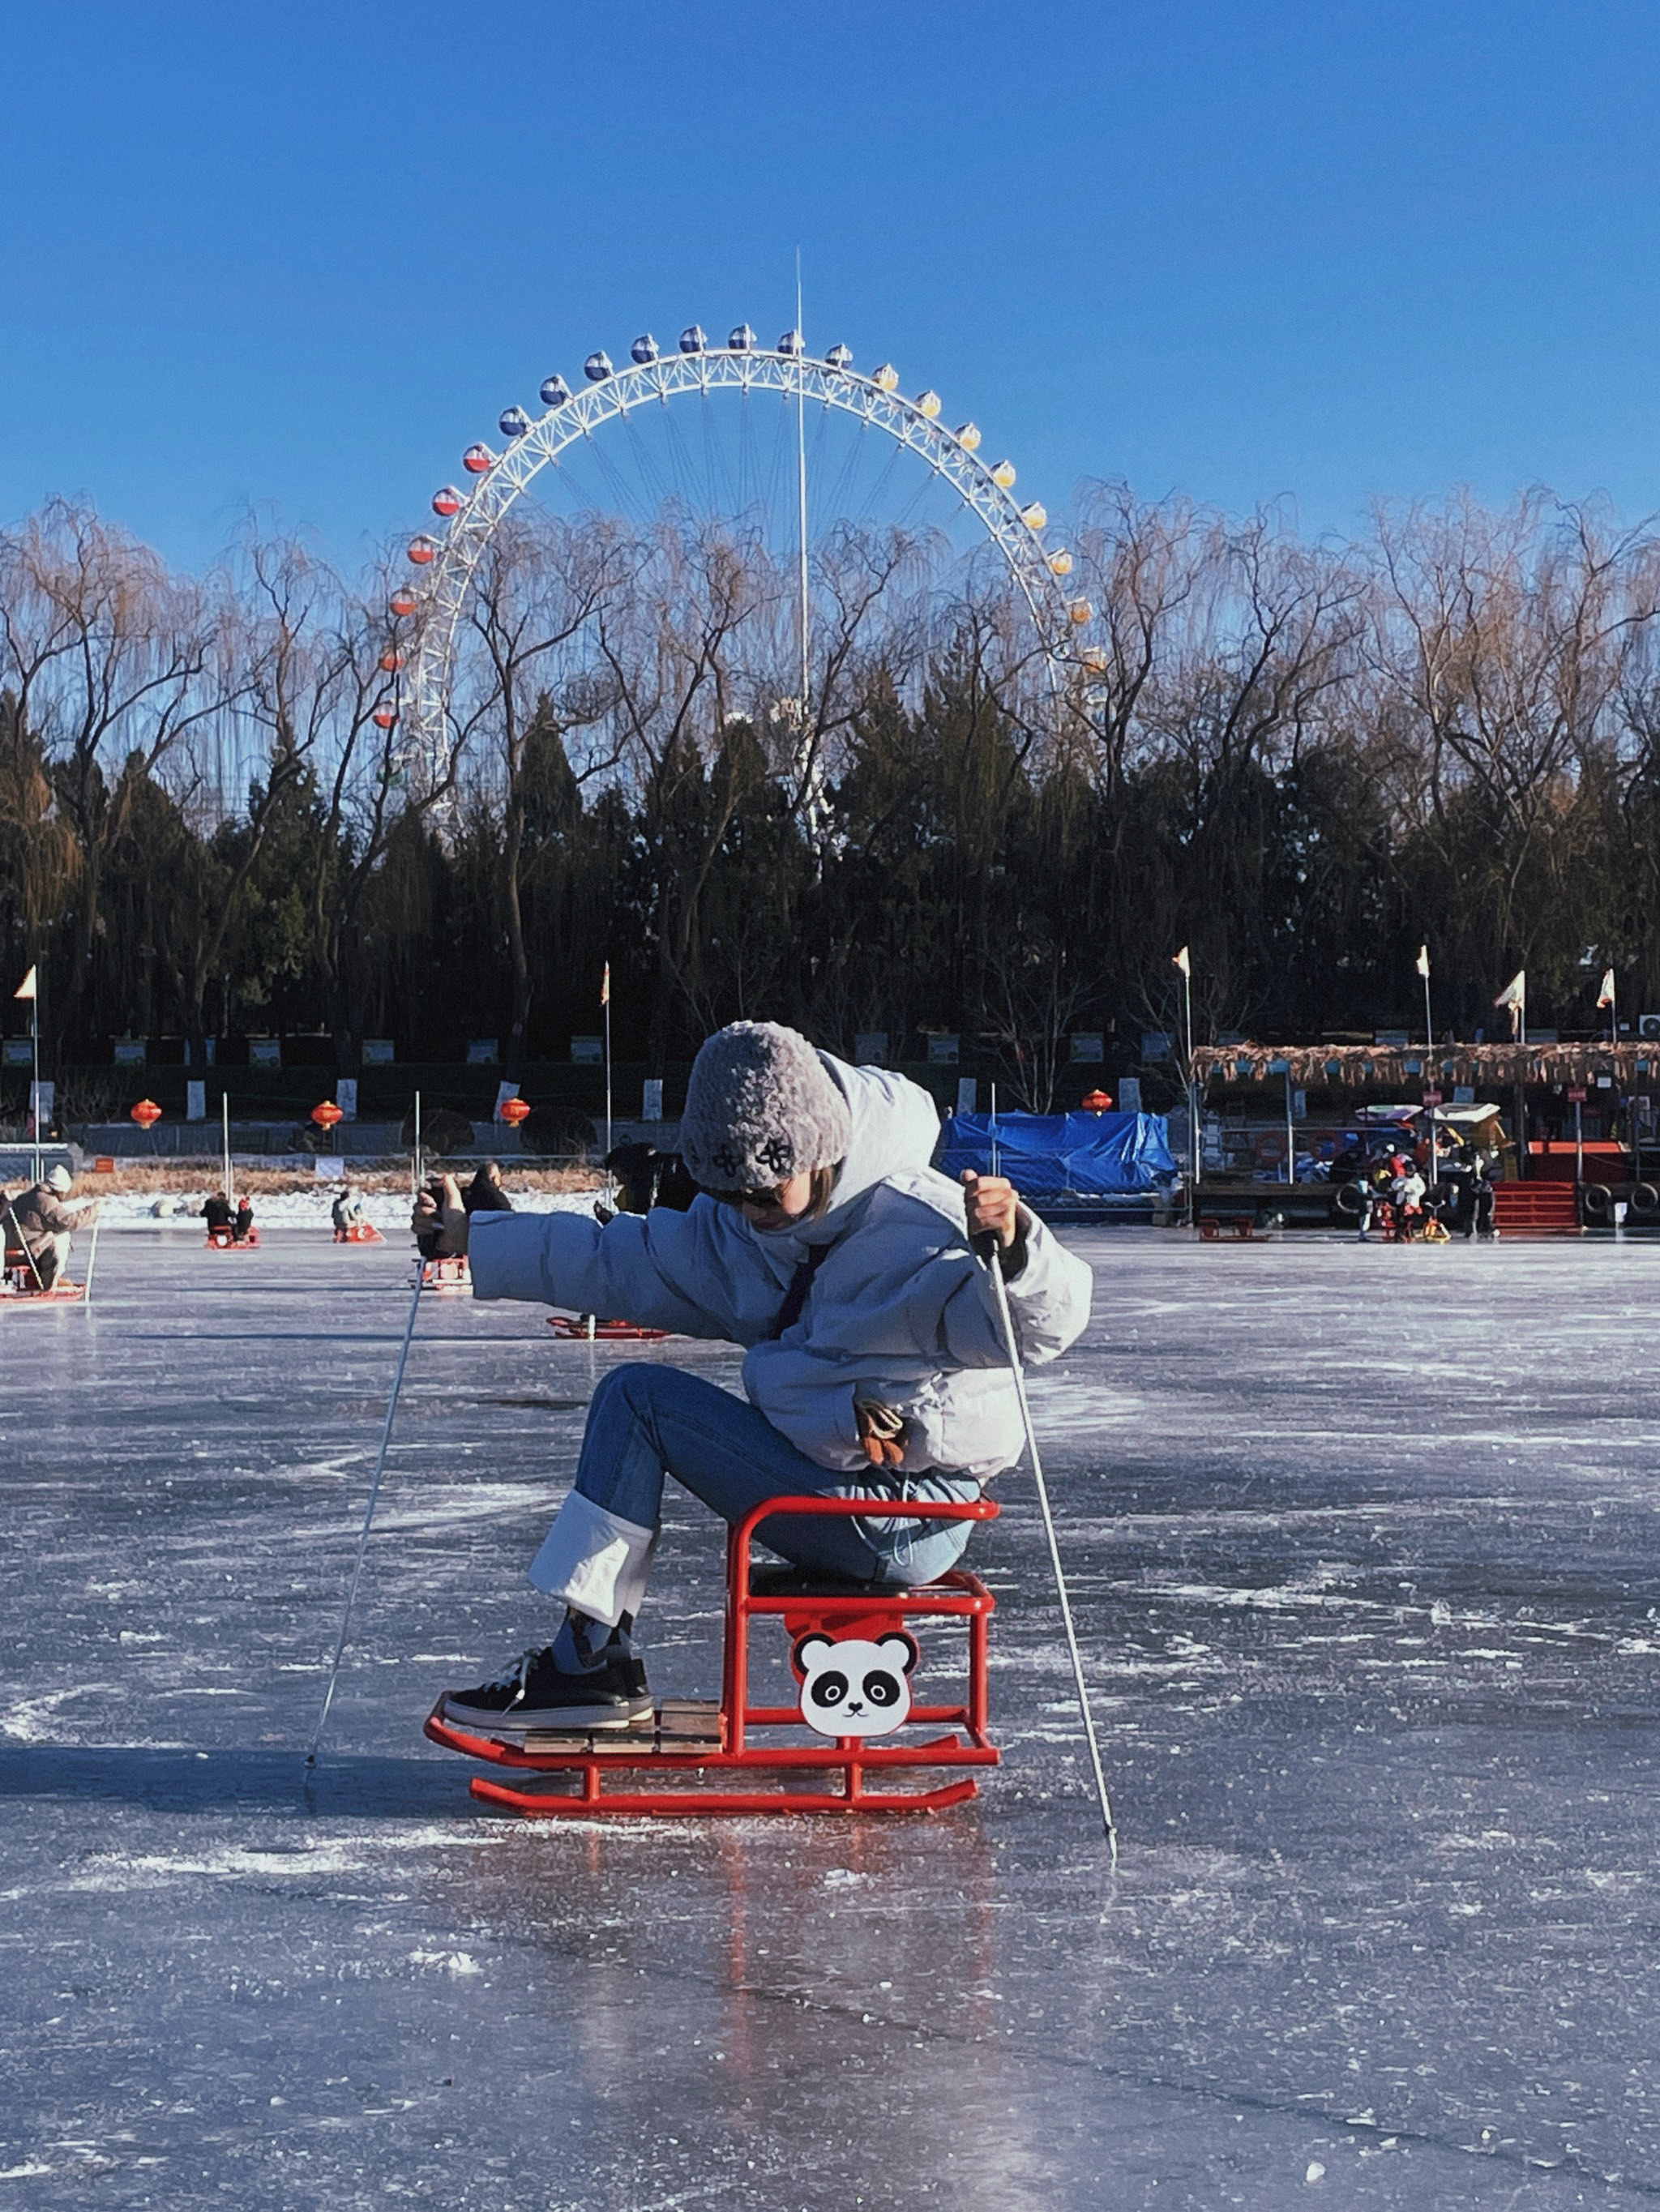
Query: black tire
point(1644, 1201)
point(1347, 1200)
point(1596, 1202)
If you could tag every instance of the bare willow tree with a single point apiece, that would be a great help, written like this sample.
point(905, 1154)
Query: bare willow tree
point(684, 651)
point(536, 704)
point(111, 660)
point(39, 860)
point(1507, 645)
point(325, 695)
point(1268, 637)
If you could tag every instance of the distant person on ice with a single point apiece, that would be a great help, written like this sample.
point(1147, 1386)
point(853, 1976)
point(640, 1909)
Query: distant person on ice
point(349, 1211)
point(242, 1222)
point(826, 1245)
point(44, 1224)
point(218, 1214)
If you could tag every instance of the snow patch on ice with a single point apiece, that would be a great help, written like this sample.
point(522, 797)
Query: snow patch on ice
point(455, 1962)
point(28, 1721)
point(336, 1854)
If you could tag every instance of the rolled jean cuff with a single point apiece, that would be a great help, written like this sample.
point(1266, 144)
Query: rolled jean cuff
point(596, 1561)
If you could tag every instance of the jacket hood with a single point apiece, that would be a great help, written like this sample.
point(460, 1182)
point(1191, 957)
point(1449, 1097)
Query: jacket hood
point(895, 1127)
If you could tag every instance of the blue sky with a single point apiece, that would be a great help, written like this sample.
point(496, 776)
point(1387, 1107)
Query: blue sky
point(297, 258)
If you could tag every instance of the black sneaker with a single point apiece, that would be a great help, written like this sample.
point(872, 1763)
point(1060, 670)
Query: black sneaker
point(535, 1695)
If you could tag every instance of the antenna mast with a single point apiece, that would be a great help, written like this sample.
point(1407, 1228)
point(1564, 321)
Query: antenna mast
point(801, 491)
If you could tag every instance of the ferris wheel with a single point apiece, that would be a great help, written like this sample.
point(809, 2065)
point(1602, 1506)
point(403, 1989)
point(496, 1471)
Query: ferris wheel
point(430, 609)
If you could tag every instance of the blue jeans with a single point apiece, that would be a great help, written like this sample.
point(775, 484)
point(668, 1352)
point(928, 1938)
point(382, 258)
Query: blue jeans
point(646, 1422)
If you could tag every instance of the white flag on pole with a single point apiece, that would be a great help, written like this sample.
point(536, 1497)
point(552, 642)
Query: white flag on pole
point(1515, 996)
point(1424, 962)
point(26, 989)
point(1180, 960)
point(1605, 996)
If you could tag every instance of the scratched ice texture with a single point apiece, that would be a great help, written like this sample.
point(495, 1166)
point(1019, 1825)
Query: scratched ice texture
point(1365, 1552)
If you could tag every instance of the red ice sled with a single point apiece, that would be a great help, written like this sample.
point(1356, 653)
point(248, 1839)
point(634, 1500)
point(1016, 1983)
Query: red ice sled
point(446, 1274)
point(688, 1740)
point(361, 1232)
point(584, 1328)
point(220, 1240)
point(19, 1286)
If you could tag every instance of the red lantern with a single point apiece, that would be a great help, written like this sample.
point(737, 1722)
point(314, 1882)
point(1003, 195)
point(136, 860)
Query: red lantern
point(391, 662)
point(447, 502)
point(1097, 1101)
point(146, 1112)
point(514, 1111)
point(423, 552)
point(326, 1114)
point(404, 602)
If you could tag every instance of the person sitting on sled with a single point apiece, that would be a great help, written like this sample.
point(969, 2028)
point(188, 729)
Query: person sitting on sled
point(348, 1212)
point(217, 1212)
point(44, 1224)
point(242, 1226)
point(826, 1245)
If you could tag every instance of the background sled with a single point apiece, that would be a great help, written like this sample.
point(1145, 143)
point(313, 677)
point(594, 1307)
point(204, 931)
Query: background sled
point(688, 1740)
point(584, 1329)
point(447, 1274)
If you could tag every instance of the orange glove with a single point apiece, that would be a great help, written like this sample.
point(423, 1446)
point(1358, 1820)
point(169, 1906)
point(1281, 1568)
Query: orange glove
point(881, 1432)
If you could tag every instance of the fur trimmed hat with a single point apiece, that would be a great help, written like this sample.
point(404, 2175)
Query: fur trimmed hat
point(761, 1106)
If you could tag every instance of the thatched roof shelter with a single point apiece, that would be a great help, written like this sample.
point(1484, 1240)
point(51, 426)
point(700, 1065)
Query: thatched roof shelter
point(1361, 1067)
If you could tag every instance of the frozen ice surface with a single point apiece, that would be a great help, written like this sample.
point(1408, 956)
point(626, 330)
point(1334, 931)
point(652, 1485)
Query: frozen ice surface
point(1365, 1554)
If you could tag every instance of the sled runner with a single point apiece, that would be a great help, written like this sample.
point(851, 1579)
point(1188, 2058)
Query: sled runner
point(854, 1659)
point(583, 1328)
point(361, 1232)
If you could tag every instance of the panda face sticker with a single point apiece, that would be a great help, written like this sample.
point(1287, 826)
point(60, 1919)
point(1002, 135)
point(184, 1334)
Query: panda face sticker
point(852, 1687)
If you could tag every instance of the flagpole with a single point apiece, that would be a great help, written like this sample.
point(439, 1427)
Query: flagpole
point(1183, 961)
point(604, 1001)
point(1432, 1082)
point(1193, 1089)
point(1291, 1132)
point(34, 1095)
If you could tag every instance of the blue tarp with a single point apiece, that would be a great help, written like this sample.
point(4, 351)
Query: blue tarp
point(1062, 1155)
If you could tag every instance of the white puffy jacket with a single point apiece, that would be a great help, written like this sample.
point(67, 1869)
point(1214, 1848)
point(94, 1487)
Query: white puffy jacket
point(900, 1310)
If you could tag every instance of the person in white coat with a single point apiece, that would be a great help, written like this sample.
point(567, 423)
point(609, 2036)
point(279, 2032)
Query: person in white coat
point(826, 1244)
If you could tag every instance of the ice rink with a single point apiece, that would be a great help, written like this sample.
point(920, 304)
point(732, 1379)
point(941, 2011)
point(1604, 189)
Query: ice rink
point(1366, 1556)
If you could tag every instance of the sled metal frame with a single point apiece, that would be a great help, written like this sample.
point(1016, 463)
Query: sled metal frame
point(690, 1740)
point(16, 1290)
point(21, 1284)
